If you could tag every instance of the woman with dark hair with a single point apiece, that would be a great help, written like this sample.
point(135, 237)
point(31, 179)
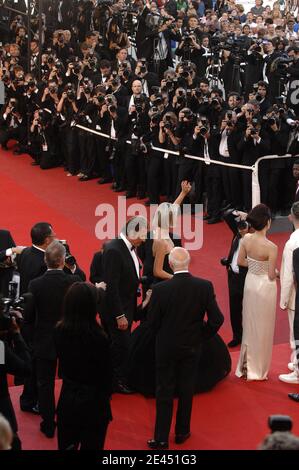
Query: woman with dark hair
point(83, 411)
point(259, 301)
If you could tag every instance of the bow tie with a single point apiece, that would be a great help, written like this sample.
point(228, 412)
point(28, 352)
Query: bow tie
point(133, 248)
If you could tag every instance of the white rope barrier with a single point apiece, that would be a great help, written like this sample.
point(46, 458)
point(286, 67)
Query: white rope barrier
point(256, 190)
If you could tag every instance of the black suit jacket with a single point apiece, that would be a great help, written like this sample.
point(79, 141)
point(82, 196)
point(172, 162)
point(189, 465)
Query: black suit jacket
point(31, 264)
point(122, 281)
point(96, 268)
point(231, 221)
point(45, 310)
point(179, 319)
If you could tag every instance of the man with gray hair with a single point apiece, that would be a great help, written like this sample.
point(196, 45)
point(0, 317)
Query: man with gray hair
point(122, 275)
point(41, 316)
point(288, 291)
point(176, 312)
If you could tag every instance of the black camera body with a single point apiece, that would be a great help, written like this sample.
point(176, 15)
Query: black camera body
point(11, 307)
point(224, 262)
point(70, 260)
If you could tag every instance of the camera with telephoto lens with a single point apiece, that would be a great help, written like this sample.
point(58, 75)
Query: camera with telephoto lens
point(187, 113)
point(158, 100)
point(53, 89)
point(126, 74)
point(112, 108)
point(187, 71)
point(155, 119)
point(11, 307)
point(138, 104)
point(70, 260)
point(271, 121)
point(77, 68)
point(203, 131)
point(168, 124)
point(71, 95)
point(187, 38)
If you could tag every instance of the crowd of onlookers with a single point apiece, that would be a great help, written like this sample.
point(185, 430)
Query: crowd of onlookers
point(194, 77)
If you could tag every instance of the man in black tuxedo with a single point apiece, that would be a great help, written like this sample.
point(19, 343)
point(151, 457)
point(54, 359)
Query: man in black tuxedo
point(121, 274)
point(180, 327)
point(45, 311)
point(7, 249)
point(236, 274)
point(31, 263)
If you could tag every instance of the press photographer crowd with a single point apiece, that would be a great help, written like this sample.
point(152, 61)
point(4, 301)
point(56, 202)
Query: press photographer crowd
point(198, 78)
point(108, 90)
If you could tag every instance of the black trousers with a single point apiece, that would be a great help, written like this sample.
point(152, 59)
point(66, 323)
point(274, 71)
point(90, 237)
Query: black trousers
point(19, 134)
point(215, 193)
point(154, 178)
point(120, 342)
point(72, 150)
point(45, 373)
point(247, 189)
point(73, 437)
point(136, 172)
point(236, 290)
point(29, 397)
point(176, 374)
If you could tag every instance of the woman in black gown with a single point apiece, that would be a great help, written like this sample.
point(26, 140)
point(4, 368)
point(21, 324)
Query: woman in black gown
point(215, 360)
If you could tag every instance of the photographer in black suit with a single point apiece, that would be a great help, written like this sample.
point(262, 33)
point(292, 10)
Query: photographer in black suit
point(121, 274)
point(180, 327)
point(45, 311)
point(8, 250)
point(236, 274)
point(17, 362)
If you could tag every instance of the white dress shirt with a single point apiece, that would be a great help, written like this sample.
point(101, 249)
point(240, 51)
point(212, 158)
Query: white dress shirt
point(234, 263)
point(132, 252)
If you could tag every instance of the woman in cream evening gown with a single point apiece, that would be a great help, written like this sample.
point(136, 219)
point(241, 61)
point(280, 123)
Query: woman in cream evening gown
point(259, 300)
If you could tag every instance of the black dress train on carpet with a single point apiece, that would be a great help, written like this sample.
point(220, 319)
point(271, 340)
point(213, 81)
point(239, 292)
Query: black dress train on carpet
point(214, 363)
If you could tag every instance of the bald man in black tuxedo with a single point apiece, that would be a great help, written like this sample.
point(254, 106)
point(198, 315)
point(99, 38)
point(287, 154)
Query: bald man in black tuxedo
point(178, 321)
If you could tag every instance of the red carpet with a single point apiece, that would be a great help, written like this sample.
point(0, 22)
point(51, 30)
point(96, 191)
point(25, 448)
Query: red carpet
point(234, 414)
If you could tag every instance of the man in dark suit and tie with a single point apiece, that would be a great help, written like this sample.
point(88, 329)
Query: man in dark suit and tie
point(121, 274)
point(31, 263)
point(236, 274)
point(176, 313)
point(45, 311)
